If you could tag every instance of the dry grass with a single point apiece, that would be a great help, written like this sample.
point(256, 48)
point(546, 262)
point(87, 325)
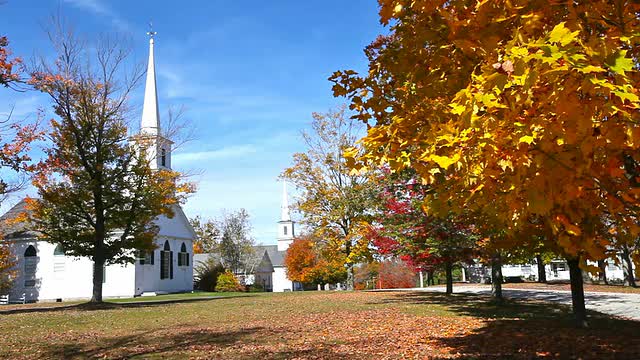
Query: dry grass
point(317, 325)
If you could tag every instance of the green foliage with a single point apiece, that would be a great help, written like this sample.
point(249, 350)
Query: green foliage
point(206, 274)
point(227, 282)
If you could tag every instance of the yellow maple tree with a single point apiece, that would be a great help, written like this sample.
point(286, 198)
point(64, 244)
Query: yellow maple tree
point(524, 109)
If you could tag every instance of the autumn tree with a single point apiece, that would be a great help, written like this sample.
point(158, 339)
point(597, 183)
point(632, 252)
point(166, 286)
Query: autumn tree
point(334, 201)
point(7, 267)
point(15, 162)
point(403, 229)
point(97, 194)
point(518, 108)
point(207, 235)
point(308, 261)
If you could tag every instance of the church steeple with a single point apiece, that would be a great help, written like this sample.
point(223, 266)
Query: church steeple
point(286, 229)
point(150, 124)
point(158, 147)
point(284, 208)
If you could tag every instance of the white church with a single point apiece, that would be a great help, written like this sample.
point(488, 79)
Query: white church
point(271, 273)
point(45, 273)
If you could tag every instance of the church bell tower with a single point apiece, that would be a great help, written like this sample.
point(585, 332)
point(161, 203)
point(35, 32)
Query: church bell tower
point(158, 147)
point(286, 230)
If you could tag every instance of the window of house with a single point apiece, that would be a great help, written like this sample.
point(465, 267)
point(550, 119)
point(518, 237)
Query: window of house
point(285, 230)
point(166, 262)
point(30, 266)
point(183, 256)
point(163, 157)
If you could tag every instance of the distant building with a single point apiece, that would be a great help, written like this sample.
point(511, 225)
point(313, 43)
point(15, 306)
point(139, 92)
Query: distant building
point(270, 273)
point(46, 273)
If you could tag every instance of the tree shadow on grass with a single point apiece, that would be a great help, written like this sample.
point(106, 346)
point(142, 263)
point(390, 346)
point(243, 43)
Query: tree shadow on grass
point(184, 343)
point(531, 329)
point(109, 305)
point(147, 343)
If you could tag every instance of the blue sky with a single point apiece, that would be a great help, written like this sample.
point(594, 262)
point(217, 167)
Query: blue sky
point(249, 73)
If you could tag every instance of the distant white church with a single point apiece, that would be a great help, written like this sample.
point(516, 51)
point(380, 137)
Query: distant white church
point(271, 272)
point(44, 273)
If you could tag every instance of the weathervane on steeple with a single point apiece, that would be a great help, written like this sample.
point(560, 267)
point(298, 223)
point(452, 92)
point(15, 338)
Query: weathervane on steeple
point(151, 33)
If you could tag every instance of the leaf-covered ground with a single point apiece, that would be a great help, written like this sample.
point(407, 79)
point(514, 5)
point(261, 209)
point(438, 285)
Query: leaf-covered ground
point(316, 325)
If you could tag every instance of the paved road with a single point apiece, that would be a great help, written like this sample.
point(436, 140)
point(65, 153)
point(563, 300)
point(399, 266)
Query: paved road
point(625, 305)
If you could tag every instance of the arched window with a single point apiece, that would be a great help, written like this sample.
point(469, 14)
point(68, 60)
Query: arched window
point(183, 256)
point(163, 157)
point(30, 265)
point(58, 261)
point(59, 250)
point(166, 262)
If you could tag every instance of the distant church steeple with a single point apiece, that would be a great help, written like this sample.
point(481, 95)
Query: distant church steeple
point(159, 152)
point(286, 230)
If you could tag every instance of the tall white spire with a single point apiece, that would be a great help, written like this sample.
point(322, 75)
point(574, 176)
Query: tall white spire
point(150, 123)
point(284, 210)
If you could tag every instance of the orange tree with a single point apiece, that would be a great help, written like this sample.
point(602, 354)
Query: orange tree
point(98, 196)
point(517, 108)
point(308, 262)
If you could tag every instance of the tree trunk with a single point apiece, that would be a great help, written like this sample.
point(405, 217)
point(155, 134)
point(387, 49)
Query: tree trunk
point(629, 265)
point(602, 274)
point(421, 279)
point(577, 292)
point(430, 278)
point(496, 277)
point(448, 269)
point(98, 277)
point(98, 258)
point(542, 272)
point(350, 284)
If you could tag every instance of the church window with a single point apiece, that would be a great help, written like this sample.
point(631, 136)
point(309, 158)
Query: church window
point(59, 250)
point(163, 157)
point(147, 257)
point(166, 262)
point(30, 265)
point(285, 230)
point(58, 259)
point(183, 256)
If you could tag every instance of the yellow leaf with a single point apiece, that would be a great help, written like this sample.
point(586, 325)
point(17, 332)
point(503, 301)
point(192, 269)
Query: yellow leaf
point(526, 139)
point(562, 35)
point(444, 161)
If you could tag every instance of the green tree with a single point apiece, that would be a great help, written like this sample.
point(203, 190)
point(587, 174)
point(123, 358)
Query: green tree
point(236, 244)
point(98, 196)
point(335, 201)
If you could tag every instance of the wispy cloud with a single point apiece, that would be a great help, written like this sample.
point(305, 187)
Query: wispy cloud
point(228, 152)
point(98, 7)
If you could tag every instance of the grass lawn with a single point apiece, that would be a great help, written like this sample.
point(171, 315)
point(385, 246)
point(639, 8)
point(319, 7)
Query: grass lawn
point(316, 325)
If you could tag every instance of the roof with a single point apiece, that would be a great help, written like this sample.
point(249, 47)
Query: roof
point(15, 230)
point(276, 257)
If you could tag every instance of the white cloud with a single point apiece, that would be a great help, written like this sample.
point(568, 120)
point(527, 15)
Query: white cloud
point(228, 152)
point(98, 7)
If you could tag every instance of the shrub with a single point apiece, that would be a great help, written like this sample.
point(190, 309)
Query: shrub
point(228, 282)
point(207, 274)
point(255, 287)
